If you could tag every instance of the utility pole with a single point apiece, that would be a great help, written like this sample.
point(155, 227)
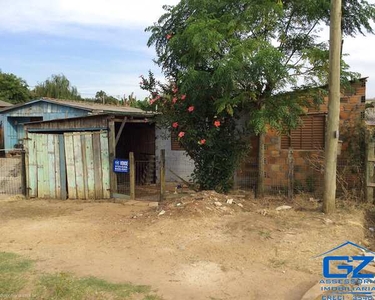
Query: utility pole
point(332, 134)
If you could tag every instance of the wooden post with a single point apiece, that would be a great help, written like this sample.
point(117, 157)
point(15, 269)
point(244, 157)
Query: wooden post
point(290, 174)
point(132, 175)
point(332, 135)
point(112, 154)
point(23, 173)
point(370, 160)
point(260, 185)
point(162, 174)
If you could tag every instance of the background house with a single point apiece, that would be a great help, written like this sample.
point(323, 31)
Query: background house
point(298, 155)
point(13, 118)
point(4, 104)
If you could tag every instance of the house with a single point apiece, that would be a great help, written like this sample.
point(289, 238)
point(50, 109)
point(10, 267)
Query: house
point(3, 105)
point(295, 157)
point(75, 157)
point(14, 117)
point(298, 156)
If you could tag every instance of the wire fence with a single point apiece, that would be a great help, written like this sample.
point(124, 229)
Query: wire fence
point(301, 176)
point(12, 172)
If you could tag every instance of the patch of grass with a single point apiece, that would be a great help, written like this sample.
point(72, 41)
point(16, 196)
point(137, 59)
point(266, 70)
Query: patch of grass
point(13, 263)
point(63, 286)
point(152, 297)
point(265, 234)
point(15, 276)
point(12, 273)
point(278, 263)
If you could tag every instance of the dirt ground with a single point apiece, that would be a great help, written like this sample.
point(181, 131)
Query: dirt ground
point(192, 247)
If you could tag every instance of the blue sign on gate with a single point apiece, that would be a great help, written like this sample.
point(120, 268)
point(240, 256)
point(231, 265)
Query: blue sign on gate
point(121, 166)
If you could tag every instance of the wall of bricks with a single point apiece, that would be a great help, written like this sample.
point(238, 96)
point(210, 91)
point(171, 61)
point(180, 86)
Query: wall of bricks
point(305, 177)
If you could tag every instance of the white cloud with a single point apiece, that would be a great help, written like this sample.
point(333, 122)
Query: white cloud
point(50, 15)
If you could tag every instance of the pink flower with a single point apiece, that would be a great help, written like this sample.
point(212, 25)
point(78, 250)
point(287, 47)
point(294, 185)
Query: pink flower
point(174, 100)
point(183, 97)
point(175, 90)
point(152, 101)
point(191, 108)
point(157, 97)
point(175, 125)
point(169, 36)
point(217, 123)
point(202, 142)
point(181, 134)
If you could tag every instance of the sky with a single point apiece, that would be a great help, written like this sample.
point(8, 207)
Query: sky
point(102, 45)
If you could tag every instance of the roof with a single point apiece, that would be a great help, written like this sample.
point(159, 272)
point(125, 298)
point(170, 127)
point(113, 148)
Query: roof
point(5, 104)
point(95, 108)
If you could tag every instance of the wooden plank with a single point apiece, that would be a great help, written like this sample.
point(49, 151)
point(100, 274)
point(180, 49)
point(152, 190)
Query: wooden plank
point(112, 155)
point(97, 166)
point(70, 166)
point(84, 164)
point(105, 165)
point(63, 178)
point(52, 165)
point(46, 166)
point(78, 166)
point(90, 167)
point(120, 130)
point(132, 175)
point(32, 168)
point(57, 166)
point(39, 160)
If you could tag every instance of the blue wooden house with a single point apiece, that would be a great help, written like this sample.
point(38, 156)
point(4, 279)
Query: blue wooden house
point(45, 109)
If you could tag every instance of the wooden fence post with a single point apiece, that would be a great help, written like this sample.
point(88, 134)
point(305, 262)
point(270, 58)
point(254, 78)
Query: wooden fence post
point(290, 174)
point(162, 174)
point(23, 174)
point(370, 160)
point(132, 175)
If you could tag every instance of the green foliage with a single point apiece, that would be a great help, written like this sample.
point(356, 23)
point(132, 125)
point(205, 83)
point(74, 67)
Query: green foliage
point(13, 89)
point(58, 87)
point(242, 59)
point(102, 97)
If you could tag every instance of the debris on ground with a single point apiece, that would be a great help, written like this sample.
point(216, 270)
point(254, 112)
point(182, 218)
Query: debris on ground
point(283, 207)
point(162, 213)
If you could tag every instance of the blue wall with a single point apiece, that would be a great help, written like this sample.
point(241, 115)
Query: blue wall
point(14, 118)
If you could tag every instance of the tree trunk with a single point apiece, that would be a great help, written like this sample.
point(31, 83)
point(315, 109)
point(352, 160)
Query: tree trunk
point(260, 185)
point(332, 135)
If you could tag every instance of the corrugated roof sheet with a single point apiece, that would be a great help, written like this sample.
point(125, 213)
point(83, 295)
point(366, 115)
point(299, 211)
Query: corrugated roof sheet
point(94, 108)
point(5, 104)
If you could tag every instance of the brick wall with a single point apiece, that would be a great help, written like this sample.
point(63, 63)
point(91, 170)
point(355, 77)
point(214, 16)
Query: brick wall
point(305, 177)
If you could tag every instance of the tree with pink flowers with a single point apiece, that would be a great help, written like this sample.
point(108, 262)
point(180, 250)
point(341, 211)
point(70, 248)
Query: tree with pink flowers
point(260, 62)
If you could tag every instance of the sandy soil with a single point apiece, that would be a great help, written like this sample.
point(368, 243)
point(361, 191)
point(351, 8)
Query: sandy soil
point(195, 250)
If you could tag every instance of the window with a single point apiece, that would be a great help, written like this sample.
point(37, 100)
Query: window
point(363, 99)
point(175, 144)
point(309, 136)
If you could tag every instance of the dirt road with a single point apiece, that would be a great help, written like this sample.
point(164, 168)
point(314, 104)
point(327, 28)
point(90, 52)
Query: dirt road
point(252, 253)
